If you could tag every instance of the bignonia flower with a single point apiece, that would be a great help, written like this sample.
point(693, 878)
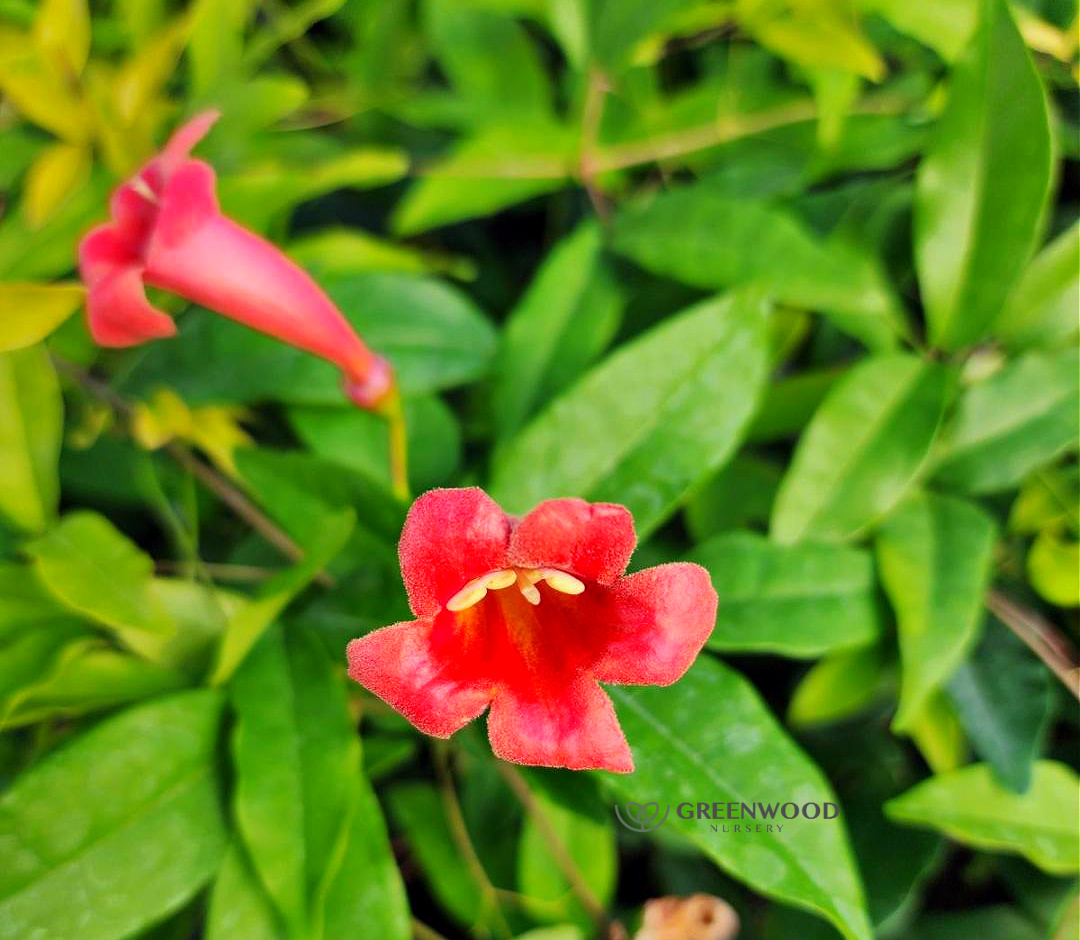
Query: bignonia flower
point(527, 616)
point(168, 231)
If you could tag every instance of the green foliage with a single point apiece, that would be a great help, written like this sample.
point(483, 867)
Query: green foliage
point(794, 280)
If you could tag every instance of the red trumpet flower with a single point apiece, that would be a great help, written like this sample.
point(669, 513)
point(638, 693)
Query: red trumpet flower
point(527, 616)
point(168, 231)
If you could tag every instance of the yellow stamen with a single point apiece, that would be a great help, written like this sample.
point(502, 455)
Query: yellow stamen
point(527, 588)
point(143, 189)
point(561, 581)
point(497, 580)
point(472, 593)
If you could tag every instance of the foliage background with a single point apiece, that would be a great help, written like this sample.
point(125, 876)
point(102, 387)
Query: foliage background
point(796, 280)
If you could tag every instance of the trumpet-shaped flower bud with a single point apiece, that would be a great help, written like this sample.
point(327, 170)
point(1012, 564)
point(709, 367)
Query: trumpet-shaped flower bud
point(168, 231)
point(527, 617)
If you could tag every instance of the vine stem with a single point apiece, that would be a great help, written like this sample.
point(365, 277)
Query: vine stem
point(1040, 637)
point(394, 413)
point(605, 926)
point(460, 833)
point(227, 492)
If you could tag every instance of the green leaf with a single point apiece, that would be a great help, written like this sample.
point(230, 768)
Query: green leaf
point(340, 251)
point(943, 25)
point(566, 318)
point(839, 686)
point(60, 170)
point(30, 312)
point(1041, 309)
point(239, 908)
point(419, 812)
point(95, 570)
point(798, 601)
point(495, 168)
point(1004, 698)
point(86, 676)
point(31, 427)
point(254, 619)
point(677, 234)
point(1015, 421)
point(616, 28)
point(999, 921)
point(645, 423)
point(934, 555)
point(512, 84)
point(217, 42)
point(862, 450)
point(62, 34)
point(572, 813)
point(145, 833)
point(435, 338)
point(983, 185)
point(743, 756)
point(739, 495)
point(970, 807)
point(790, 403)
point(1053, 566)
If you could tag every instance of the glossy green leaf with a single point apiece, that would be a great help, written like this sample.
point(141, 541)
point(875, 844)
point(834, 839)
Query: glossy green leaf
point(294, 814)
point(255, 618)
point(238, 905)
point(983, 185)
point(944, 25)
point(31, 425)
point(862, 450)
point(645, 421)
point(95, 570)
point(798, 600)
point(934, 556)
point(676, 234)
point(1053, 565)
point(1041, 309)
point(340, 251)
point(30, 312)
point(1004, 697)
point(568, 315)
point(935, 729)
point(145, 833)
point(741, 756)
point(970, 807)
point(1011, 423)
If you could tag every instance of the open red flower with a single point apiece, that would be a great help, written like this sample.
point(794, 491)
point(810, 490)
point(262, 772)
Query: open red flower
point(167, 231)
point(527, 617)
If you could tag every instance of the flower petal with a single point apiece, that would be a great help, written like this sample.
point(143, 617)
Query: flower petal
point(591, 540)
point(659, 620)
point(117, 309)
point(577, 729)
point(188, 202)
point(450, 537)
point(184, 139)
point(399, 665)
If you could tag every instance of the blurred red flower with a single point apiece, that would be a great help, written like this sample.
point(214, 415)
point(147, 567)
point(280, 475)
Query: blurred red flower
point(527, 616)
point(168, 231)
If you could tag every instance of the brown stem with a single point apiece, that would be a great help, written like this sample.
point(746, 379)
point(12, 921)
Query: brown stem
point(422, 931)
point(460, 834)
point(218, 571)
point(589, 901)
point(1040, 637)
point(592, 114)
point(205, 474)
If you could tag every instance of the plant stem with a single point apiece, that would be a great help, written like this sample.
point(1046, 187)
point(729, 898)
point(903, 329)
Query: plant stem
point(557, 848)
point(460, 834)
point(1040, 637)
point(229, 494)
point(394, 413)
point(422, 931)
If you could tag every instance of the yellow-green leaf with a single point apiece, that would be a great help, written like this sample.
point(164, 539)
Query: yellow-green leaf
point(59, 171)
point(62, 34)
point(31, 424)
point(30, 312)
point(1053, 565)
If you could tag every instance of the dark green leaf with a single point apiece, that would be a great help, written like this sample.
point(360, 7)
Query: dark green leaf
point(741, 755)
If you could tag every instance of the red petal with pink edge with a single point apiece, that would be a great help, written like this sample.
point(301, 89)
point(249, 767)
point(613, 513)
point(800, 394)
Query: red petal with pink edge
point(577, 730)
point(591, 540)
point(659, 619)
point(397, 664)
point(450, 537)
point(119, 313)
point(184, 139)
